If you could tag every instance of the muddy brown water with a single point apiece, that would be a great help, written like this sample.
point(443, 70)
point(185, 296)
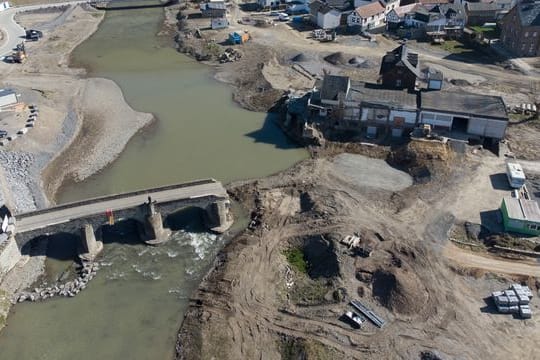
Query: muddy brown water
point(134, 306)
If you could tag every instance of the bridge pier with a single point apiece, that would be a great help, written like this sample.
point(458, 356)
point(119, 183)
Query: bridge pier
point(153, 231)
point(219, 216)
point(90, 247)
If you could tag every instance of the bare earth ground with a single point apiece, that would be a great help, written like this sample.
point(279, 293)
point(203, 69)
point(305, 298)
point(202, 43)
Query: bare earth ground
point(255, 305)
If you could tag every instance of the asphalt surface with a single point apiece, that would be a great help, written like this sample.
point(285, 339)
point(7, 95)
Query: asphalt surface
point(14, 32)
point(64, 213)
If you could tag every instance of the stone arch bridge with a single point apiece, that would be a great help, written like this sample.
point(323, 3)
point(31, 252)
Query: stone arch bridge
point(147, 207)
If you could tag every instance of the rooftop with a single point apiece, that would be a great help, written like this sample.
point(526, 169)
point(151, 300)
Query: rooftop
point(529, 13)
point(522, 209)
point(365, 11)
point(400, 56)
point(333, 85)
point(481, 6)
point(375, 94)
point(464, 103)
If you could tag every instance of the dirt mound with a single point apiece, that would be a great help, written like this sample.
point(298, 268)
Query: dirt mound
point(299, 58)
point(359, 62)
point(399, 291)
point(336, 58)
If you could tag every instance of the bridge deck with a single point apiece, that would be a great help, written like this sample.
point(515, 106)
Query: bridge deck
point(66, 212)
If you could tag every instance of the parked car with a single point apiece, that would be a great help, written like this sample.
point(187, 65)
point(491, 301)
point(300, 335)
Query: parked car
point(33, 35)
point(283, 17)
point(3, 134)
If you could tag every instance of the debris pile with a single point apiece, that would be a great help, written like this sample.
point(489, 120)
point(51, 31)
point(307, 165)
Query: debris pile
point(515, 300)
point(87, 272)
point(230, 55)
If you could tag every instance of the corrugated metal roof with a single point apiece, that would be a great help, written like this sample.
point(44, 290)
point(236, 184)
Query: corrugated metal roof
point(375, 94)
point(522, 209)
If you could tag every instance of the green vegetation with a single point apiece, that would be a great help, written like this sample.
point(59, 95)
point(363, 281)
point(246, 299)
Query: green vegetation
point(313, 292)
point(295, 257)
point(292, 349)
point(455, 47)
point(489, 32)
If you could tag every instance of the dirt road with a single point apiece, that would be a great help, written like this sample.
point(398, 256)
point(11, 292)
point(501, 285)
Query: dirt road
point(491, 264)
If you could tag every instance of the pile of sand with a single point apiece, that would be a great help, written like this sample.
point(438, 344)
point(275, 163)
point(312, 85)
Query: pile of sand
point(336, 58)
point(399, 290)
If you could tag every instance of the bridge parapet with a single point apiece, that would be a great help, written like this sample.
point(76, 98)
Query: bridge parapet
point(148, 207)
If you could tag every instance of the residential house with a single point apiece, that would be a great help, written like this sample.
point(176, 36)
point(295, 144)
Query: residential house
point(446, 20)
point(213, 9)
point(324, 16)
point(396, 17)
point(4, 5)
point(477, 116)
point(355, 105)
point(521, 216)
point(268, 4)
point(368, 16)
point(480, 13)
point(400, 69)
point(520, 29)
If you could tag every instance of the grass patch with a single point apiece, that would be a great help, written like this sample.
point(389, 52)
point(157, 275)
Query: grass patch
point(293, 349)
point(455, 47)
point(312, 292)
point(489, 32)
point(296, 258)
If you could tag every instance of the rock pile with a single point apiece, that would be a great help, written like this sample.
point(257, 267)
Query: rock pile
point(69, 289)
point(230, 55)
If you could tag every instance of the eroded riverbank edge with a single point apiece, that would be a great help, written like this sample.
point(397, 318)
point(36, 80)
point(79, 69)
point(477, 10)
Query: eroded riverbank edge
point(87, 124)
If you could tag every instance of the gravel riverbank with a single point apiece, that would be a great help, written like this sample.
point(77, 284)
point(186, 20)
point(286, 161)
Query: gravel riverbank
point(83, 125)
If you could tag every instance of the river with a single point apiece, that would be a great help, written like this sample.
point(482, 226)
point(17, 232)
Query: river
point(134, 306)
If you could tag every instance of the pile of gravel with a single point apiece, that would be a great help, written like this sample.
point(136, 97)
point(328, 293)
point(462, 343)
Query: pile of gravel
point(299, 58)
point(336, 58)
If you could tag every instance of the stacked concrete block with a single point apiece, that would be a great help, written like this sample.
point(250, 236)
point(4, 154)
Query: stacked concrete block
point(514, 300)
point(525, 311)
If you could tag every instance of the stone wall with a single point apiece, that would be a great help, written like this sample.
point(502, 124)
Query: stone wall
point(10, 254)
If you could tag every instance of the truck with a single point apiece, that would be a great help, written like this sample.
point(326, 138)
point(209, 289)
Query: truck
point(33, 35)
point(515, 174)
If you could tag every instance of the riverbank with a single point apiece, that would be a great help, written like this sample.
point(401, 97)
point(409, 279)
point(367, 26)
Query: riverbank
point(83, 123)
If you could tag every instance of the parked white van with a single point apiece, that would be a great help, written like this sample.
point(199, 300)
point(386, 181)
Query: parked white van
point(515, 175)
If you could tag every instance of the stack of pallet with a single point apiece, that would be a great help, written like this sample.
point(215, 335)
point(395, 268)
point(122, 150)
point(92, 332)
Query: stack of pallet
point(515, 300)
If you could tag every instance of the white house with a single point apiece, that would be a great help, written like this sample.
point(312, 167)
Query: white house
point(368, 16)
point(4, 5)
point(324, 16)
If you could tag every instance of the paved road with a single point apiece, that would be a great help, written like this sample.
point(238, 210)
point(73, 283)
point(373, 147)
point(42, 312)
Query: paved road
point(14, 31)
point(65, 213)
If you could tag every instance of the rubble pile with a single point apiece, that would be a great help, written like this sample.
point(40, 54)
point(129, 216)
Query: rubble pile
point(87, 272)
point(230, 55)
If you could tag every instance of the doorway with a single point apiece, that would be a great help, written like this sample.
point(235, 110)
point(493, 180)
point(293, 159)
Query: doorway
point(460, 124)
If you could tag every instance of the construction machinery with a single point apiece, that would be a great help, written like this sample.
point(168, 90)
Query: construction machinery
point(18, 56)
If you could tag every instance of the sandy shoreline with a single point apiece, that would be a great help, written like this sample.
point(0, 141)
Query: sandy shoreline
point(83, 125)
